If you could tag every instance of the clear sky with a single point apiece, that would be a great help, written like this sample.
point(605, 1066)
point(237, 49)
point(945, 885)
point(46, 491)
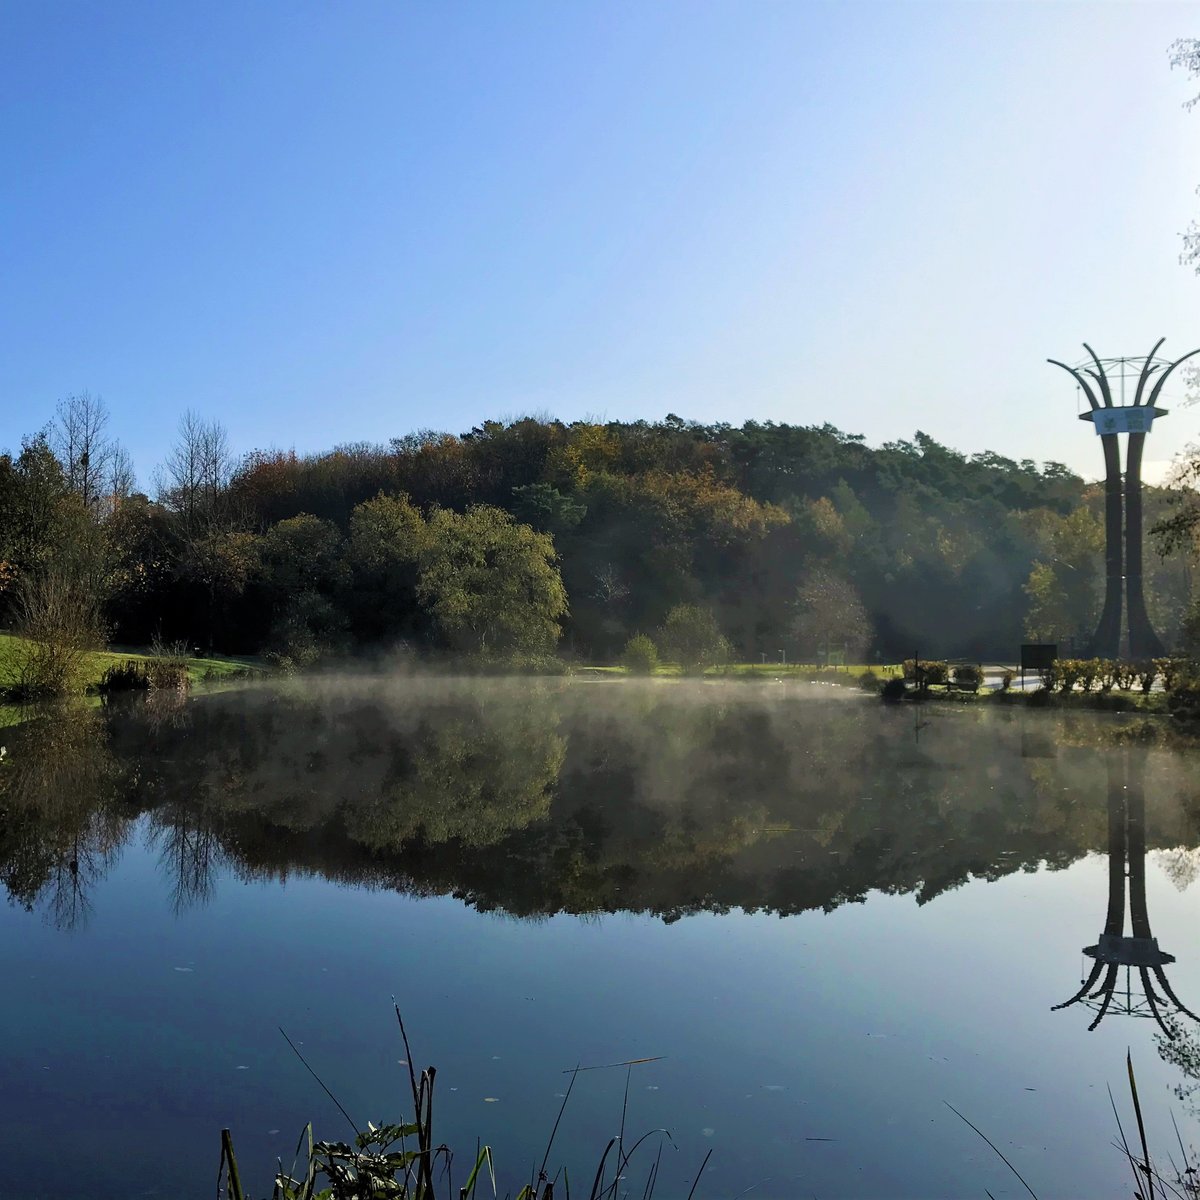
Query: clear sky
point(330, 222)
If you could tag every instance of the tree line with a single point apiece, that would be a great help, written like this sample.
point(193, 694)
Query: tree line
point(526, 537)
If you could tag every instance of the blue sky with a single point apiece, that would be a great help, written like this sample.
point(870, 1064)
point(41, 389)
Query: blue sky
point(322, 223)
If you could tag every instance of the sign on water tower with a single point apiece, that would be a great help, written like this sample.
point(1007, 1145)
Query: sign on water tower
point(1133, 418)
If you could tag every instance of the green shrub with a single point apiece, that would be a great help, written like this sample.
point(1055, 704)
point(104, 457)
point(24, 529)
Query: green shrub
point(640, 656)
point(1183, 698)
point(1147, 673)
point(1006, 679)
point(167, 667)
point(129, 676)
point(691, 637)
point(868, 681)
point(1068, 672)
point(967, 675)
point(1170, 670)
point(1089, 672)
point(924, 672)
point(524, 662)
point(1126, 673)
point(57, 613)
point(1106, 672)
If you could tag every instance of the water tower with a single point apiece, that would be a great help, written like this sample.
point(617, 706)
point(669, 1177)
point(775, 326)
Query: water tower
point(1106, 990)
point(1123, 505)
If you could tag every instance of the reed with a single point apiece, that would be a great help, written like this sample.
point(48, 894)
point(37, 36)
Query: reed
point(404, 1161)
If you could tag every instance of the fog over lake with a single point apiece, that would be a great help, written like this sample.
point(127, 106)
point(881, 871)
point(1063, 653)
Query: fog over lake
point(826, 920)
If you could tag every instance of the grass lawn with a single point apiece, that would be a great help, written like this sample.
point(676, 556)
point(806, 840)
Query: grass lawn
point(761, 670)
point(200, 670)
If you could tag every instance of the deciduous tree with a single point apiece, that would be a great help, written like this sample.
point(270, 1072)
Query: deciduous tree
point(491, 585)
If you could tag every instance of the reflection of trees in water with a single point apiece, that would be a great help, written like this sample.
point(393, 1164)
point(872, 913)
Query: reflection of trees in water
point(60, 827)
point(533, 798)
point(1180, 1047)
point(467, 776)
point(1180, 865)
point(189, 853)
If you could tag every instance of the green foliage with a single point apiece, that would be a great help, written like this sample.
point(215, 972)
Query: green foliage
point(127, 676)
point(491, 586)
point(1089, 673)
point(691, 637)
point(546, 508)
point(1063, 587)
point(1126, 674)
point(640, 656)
point(1146, 674)
point(302, 554)
point(1066, 673)
point(387, 535)
point(1170, 670)
point(796, 537)
point(307, 628)
point(968, 676)
point(1108, 674)
point(830, 613)
point(924, 672)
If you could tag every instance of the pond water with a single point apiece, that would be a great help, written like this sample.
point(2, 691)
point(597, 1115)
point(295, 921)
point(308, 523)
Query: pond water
point(825, 920)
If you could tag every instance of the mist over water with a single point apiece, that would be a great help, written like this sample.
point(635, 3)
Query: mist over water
point(827, 916)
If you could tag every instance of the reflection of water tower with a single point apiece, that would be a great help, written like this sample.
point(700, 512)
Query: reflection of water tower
point(1123, 557)
point(1139, 950)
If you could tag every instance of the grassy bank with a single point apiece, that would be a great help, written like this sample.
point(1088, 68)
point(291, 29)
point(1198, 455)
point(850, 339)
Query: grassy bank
point(763, 671)
point(215, 669)
point(201, 671)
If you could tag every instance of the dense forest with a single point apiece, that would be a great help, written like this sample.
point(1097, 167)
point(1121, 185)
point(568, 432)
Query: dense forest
point(534, 536)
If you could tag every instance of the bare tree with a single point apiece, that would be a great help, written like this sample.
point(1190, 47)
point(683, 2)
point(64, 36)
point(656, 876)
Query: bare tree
point(58, 616)
point(98, 469)
point(121, 477)
point(196, 472)
point(82, 445)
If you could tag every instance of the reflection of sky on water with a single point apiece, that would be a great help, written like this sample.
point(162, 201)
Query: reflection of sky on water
point(854, 1026)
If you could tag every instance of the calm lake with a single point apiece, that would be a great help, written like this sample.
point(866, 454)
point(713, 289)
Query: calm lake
point(827, 920)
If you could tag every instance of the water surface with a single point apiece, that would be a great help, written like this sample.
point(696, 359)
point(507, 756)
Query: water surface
point(826, 919)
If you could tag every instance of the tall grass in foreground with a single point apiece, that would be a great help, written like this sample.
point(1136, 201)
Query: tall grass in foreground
point(402, 1161)
point(1181, 1181)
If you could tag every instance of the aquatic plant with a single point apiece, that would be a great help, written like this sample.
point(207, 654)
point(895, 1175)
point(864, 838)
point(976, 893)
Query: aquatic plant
point(127, 676)
point(401, 1161)
point(167, 667)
